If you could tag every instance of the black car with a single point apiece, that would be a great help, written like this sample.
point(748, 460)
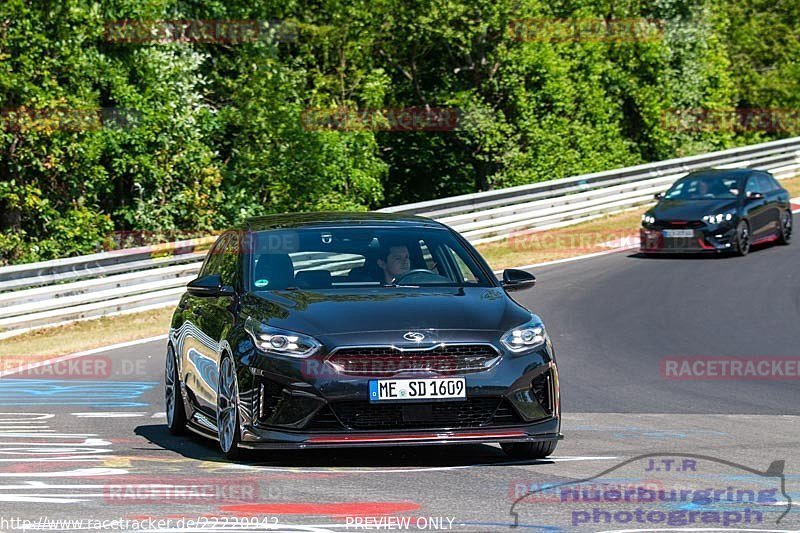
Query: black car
point(358, 329)
point(718, 211)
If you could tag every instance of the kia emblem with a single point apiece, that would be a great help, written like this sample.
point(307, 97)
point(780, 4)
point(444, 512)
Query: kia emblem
point(414, 336)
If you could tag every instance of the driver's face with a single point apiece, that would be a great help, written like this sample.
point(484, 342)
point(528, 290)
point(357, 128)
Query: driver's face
point(397, 262)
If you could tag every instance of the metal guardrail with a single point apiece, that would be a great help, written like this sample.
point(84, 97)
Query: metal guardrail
point(124, 281)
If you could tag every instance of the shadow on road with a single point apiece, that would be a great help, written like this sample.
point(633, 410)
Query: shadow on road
point(195, 447)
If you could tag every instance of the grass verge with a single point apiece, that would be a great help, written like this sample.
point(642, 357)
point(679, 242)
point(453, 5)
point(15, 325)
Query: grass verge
point(585, 238)
point(85, 335)
point(792, 185)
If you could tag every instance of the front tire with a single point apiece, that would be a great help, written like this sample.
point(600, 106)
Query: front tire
point(228, 410)
point(785, 229)
point(529, 450)
point(743, 238)
point(173, 399)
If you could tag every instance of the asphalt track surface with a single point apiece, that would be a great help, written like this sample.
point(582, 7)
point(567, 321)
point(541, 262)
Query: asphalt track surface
point(93, 444)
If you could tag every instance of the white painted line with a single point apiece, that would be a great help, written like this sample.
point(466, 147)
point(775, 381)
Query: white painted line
point(122, 345)
point(86, 442)
point(571, 259)
point(34, 499)
point(69, 459)
point(78, 472)
point(112, 414)
point(38, 435)
point(28, 416)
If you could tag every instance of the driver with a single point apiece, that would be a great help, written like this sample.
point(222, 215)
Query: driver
point(393, 261)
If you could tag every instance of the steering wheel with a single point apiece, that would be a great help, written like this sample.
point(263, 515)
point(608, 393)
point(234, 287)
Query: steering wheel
point(418, 275)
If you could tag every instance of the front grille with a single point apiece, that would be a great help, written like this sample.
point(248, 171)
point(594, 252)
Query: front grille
point(325, 420)
point(388, 361)
point(682, 243)
point(471, 413)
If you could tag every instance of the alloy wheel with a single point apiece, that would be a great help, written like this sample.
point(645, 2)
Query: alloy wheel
point(173, 401)
point(169, 388)
point(227, 421)
point(786, 227)
point(743, 238)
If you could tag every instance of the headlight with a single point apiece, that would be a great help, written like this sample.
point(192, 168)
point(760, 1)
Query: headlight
point(648, 219)
point(280, 341)
point(718, 218)
point(525, 336)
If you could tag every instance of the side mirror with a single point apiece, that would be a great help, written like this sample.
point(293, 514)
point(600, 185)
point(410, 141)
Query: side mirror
point(517, 280)
point(658, 195)
point(210, 285)
point(753, 195)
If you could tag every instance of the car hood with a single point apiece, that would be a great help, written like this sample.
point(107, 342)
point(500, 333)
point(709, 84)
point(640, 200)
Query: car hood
point(690, 209)
point(372, 315)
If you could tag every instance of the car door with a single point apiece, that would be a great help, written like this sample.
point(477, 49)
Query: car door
point(218, 313)
point(757, 209)
point(198, 348)
point(194, 345)
point(773, 194)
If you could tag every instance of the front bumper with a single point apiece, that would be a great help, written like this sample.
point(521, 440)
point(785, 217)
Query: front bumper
point(543, 431)
point(703, 240)
point(282, 405)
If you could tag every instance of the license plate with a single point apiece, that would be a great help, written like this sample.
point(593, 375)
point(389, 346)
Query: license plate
point(679, 233)
point(417, 389)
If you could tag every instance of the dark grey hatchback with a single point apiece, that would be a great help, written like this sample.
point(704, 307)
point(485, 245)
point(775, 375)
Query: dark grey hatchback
point(358, 329)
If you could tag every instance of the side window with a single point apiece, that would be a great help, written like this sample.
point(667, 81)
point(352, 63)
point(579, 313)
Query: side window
point(752, 185)
point(466, 273)
point(213, 262)
point(769, 182)
point(229, 259)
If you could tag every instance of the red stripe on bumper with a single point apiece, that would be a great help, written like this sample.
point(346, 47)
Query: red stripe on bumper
point(768, 238)
point(335, 439)
point(703, 244)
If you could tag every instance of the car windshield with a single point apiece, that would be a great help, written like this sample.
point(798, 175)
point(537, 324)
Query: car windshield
point(708, 187)
point(335, 258)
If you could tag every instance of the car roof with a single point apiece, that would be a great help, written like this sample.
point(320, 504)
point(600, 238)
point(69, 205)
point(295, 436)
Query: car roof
point(737, 173)
point(339, 218)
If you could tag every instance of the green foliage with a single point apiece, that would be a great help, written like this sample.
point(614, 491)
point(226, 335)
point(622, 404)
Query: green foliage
point(166, 137)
